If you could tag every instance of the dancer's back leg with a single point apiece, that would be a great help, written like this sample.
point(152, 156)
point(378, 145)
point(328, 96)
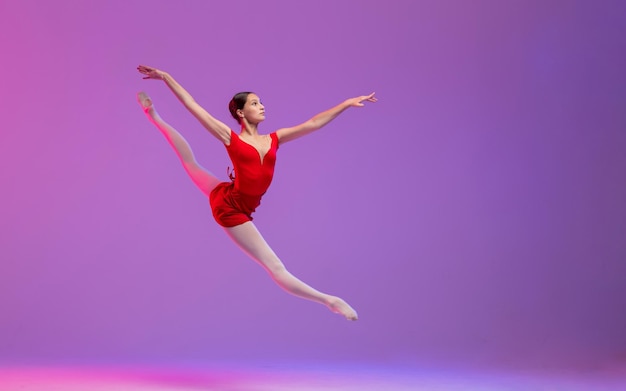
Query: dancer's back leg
point(205, 180)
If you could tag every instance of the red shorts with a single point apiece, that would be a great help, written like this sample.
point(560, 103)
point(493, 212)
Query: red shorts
point(230, 207)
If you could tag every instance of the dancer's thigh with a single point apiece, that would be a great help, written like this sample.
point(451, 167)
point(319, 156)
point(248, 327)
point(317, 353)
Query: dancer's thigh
point(250, 240)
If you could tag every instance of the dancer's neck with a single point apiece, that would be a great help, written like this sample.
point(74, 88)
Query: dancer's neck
point(248, 128)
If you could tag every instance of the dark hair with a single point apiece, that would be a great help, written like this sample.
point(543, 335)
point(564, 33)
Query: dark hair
point(237, 103)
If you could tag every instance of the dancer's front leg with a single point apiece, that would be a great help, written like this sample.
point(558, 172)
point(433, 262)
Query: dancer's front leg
point(250, 240)
point(198, 174)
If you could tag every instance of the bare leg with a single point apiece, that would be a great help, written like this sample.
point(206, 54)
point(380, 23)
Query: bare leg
point(199, 175)
point(250, 240)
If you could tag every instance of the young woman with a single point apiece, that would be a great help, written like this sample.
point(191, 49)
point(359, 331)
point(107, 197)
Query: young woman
point(253, 156)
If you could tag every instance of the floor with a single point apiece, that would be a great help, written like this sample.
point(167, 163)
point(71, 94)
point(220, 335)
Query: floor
point(282, 378)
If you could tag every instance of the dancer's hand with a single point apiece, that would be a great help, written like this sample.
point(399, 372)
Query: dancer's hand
point(151, 73)
point(358, 101)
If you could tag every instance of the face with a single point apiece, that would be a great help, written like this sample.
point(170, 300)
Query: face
point(253, 110)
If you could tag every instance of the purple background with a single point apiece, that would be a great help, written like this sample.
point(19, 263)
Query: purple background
point(475, 214)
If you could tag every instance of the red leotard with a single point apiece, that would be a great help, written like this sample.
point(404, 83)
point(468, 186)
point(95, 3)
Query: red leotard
point(234, 202)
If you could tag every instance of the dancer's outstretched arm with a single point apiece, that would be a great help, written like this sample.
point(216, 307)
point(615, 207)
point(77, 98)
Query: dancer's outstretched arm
point(214, 126)
point(321, 119)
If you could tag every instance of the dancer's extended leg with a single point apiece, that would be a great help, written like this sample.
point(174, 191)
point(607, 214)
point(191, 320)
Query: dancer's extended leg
point(250, 240)
point(199, 175)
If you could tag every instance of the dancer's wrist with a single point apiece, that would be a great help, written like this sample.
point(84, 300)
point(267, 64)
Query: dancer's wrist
point(165, 76)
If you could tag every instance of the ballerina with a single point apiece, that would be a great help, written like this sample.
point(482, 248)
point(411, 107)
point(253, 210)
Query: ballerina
point(253, 156)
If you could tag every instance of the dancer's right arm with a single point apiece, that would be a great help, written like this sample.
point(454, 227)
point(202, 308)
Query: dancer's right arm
point(214, 126)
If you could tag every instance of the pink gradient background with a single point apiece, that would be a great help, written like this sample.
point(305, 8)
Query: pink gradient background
point(475, 214)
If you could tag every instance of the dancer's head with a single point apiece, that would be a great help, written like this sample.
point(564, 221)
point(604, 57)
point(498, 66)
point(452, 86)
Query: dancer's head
point(248, 105)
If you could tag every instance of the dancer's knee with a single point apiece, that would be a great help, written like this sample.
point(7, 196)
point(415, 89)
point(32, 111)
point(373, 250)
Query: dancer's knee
point(275, 267)
point(192, 167)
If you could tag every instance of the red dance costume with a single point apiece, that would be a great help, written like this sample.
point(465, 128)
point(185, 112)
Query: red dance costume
point(234, 202)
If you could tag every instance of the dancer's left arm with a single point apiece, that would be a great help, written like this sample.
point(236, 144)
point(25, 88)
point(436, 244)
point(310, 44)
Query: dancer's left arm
point(321, 119)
